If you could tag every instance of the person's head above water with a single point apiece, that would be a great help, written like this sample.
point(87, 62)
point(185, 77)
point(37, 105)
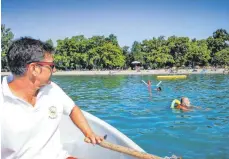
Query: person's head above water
point(158, 88)
point(185, 101)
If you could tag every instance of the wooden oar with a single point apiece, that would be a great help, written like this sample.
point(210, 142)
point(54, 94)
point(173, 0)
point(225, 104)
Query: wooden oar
point(126, 150)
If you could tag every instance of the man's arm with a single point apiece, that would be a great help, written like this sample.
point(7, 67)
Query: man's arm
point(80, 121)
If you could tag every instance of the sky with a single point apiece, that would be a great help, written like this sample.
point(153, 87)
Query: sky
point(129, 20)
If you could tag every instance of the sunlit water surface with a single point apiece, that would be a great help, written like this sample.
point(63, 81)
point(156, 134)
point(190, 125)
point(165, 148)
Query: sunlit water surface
point(125, 103)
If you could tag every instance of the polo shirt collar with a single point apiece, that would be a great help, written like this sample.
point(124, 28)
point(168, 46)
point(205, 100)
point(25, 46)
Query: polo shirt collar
point(5, 87)
point(7, 92)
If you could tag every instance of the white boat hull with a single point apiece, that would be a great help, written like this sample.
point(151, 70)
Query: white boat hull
point(73, 140)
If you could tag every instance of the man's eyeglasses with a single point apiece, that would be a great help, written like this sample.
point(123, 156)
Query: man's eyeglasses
point(42, 63)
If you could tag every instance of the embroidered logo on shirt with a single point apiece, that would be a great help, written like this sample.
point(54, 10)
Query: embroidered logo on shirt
point(52, 112)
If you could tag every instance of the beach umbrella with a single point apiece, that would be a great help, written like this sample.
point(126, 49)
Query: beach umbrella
point(135, 62)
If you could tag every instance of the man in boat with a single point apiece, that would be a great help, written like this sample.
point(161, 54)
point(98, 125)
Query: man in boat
point(33, 105)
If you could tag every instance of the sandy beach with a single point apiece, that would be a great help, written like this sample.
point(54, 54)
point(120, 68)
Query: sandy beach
point(134, 72)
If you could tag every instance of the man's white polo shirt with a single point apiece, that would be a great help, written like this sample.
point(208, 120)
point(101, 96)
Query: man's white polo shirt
point(32, 132)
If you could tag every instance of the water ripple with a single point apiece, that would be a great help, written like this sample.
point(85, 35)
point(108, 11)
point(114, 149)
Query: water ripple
point(125, 103)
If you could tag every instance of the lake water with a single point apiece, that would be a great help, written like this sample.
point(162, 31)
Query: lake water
point(125, 103)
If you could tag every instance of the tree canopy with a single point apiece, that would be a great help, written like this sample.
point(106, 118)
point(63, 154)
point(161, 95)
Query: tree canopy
point(100, 52)
point(6, 38)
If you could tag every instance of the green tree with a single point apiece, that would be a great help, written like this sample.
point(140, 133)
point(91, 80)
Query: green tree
point(107, 56)
point(70, 52)
point(100, 52)
point(217, 43)
point(222, 57)
point(198, 53)
point(137, 53)
point(178, 49)
point(128, 56)
point(6, 38)
point(156, 53)
point(221, 34)
point(96, 52)
point(113, 39)
point(49, 41)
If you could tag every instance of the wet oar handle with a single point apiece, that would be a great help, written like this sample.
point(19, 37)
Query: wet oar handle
point(127, 150)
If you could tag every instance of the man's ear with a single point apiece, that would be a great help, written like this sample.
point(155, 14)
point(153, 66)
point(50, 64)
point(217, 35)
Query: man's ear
point(37, 70)
point(34, 69)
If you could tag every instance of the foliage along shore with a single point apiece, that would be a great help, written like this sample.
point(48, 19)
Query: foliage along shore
point(100, 52)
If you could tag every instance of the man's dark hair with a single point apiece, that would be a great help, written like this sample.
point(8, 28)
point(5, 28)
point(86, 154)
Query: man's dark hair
point(159, 88)
point(24, 51)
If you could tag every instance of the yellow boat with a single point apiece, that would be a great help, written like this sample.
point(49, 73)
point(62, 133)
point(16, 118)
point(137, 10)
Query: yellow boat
point(172, 77)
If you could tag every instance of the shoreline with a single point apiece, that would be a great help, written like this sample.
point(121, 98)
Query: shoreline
point(134, 72)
